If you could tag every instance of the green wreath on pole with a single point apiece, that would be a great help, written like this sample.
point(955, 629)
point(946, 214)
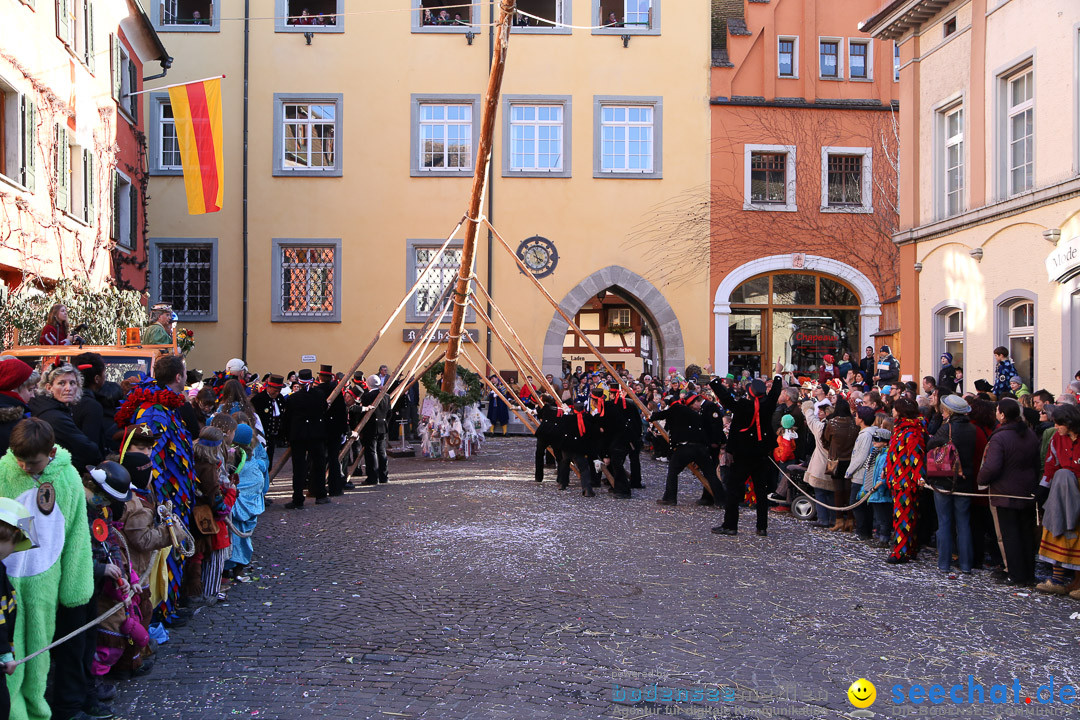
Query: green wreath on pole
point(474, 388)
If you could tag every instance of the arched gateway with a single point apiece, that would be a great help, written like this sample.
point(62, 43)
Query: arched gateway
point(649, 301)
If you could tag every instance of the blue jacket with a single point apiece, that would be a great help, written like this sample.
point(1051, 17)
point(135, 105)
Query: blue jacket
point(1005, 372)
point(874, 474)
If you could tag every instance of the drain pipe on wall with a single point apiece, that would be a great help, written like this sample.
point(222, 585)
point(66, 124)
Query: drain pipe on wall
point(490, 184)
point(244, 221)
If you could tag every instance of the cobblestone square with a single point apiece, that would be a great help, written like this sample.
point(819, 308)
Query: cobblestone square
point(466, 590)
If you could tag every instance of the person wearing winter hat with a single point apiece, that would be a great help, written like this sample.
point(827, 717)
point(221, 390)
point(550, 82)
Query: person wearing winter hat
point(860, 454)
point(887, 368)
point(947, 375)
point(1017, 386)
point(828, 369)
point(750, 444)
point(954, 511)
point(17, 383)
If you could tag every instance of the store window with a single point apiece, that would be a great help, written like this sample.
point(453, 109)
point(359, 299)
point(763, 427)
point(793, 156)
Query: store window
point(797, 317)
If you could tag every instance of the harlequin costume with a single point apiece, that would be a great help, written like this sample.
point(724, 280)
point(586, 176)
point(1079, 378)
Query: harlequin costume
point(173, 475)
point(59, 572)
point(905, 467)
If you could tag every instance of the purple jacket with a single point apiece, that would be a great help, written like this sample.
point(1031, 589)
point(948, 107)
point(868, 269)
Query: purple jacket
point(1010, 465)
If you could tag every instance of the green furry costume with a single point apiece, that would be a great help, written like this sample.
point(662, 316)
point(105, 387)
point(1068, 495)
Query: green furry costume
point(60, 570)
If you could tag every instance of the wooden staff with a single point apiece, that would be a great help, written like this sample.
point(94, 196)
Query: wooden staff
point(592, 348)
point(483, 162)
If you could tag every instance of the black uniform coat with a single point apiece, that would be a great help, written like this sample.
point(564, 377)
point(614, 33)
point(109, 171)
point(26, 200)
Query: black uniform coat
point(378, 423)
point(336, 421)
point(683, 425)
point(743, 438)
point(264, 406)
point(713, 417)
point(304, 411)
point(571, 440)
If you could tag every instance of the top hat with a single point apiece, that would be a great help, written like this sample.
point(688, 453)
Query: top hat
point(275, 381)
point(326, 370)
point(304, 375)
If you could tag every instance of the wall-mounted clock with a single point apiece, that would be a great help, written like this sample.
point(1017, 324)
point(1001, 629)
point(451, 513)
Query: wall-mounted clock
point(539, 255)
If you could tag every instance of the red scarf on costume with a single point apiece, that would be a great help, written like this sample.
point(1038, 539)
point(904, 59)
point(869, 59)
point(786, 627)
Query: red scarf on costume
point(580, 423)
point(757, 416)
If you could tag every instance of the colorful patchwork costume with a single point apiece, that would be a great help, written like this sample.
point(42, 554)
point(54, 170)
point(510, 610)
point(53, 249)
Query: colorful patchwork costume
point(905, 466)
point(60, 571)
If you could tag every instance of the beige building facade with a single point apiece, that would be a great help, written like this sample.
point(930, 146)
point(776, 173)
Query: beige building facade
point(989, 184)
point(361, 136)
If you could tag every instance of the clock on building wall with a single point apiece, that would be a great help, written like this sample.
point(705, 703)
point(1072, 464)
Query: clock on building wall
point(539, 255)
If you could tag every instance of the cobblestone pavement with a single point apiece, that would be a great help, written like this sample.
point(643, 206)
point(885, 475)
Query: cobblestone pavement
point(465, 590)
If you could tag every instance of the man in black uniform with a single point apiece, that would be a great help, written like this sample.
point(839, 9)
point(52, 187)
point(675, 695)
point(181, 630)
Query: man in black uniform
point(686, 428)
point(270, 406)
point(750, 443)
point(615, 422)
point(336, 424)
point(304, 412)
point(712, 416)
point(374, 433)
point(354, 394)
point(546, 434)
point(577, 433)
point(637, 441)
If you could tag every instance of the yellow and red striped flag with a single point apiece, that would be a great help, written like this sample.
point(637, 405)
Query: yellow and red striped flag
point(197, 112)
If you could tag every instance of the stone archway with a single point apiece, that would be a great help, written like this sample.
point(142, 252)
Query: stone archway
point(637, 289)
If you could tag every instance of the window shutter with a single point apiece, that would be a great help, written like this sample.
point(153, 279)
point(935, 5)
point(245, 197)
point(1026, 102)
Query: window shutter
point(61, 155)
point(133, 83)
point(91, 57)
point(90, 188)
point(114, 231)
point(62, 21)
point(134, 207)
point(29, 142)
point(116, 68)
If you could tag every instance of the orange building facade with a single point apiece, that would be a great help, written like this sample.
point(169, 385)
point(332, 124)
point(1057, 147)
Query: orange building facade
point(804, 185)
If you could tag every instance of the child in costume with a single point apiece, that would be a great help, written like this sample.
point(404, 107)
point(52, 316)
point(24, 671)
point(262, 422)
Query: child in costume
point(904, 468)
point(220, 545)
point(60, 571)
point(16, 535)
point(249, 500)
point(209, 461)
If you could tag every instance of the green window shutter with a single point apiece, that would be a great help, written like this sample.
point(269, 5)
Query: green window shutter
point(90, 188)
point(62, 169)
point(133, 83)
point(114, 231)
point(91, 57)
point(62, 20)
point(29, 142)
point(116, 68)
point(134, 208)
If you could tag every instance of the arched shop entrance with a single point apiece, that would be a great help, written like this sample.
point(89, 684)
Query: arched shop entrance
point(796, 307)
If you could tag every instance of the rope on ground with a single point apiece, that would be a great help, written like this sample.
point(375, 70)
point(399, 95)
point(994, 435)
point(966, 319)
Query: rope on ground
point(73, 633)
point(814, 500)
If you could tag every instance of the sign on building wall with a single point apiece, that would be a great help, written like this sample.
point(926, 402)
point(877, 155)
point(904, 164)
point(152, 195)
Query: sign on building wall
point(410, 334)
point(1064, 261)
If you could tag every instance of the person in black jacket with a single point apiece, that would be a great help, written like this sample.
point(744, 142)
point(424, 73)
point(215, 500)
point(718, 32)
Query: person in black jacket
point(61, 390)
point(954, 510)
point(270, 406)
point(89, 412)
point(336, 425)
point(17, 381)
point(304, 412)
point(634, 431)
point(615, 421)
point(712, 415)
point(751, 441)
point(946, 381)
point(374, 433)
point(689, 441)
point(546, 434)
point(577, 434)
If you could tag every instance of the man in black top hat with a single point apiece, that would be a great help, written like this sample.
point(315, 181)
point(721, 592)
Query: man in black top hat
point(354, 394)
point(751, 441)
point(270, 406)
point(336, 423)
point(305, 409)
point(688, 440)
point(578, 432)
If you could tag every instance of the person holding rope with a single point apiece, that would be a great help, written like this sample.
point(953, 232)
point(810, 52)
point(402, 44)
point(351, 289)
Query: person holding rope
point(954, 511)
point(1060, 496)
point(751, 441)
point(856, 470)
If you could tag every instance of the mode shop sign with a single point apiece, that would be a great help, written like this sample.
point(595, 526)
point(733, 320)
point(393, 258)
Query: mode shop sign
point(1064, 262)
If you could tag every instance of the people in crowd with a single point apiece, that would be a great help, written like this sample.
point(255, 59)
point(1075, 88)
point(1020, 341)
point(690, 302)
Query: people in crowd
point(1059, 495)
point(18, 381)
point(160, 329)
point(55, 330)
point(904, 470)
point(59, 392)
point(1004, 371)
point(955, 442)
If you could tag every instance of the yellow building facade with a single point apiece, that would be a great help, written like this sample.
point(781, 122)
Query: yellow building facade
point(361, 134)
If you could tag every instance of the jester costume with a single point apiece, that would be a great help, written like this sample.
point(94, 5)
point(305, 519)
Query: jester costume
point(173, 474)
point(905, 467)
point(59, 572)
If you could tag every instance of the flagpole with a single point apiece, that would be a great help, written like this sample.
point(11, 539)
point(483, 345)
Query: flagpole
point(189, 82)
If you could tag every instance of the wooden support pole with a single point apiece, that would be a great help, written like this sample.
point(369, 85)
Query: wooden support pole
point(480, 173)
point(592, 348)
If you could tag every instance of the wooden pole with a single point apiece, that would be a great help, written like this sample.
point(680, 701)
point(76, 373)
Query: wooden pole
point(483, 162)
point(520, 364)
point(592, 348)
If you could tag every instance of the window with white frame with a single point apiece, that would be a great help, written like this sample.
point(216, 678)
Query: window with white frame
point(125, 80)
point(536, 138)
point(1021, 339)
point(67, 26)
point(626, 139)
point(895, 62)
point(787, 56)
point(845, 179)
point(125, 206)
point(443, 15)
point(185, 278)
point(952, 159)
point(446, 133)
point(1020, 131)
point(314, 16)
point(552, 14)
point(18, 127)
point(627, 15)
point(619, 317)
point(169, 146)
point(860, 60)
point(830, 59)
point(769, 177)
point(442, 274)
point(307, 135)
point(186, 15)
point(953, 337)
point(308, 281)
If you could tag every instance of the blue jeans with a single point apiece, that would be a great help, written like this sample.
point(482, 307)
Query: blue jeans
point(825, 516)
point(953, 510)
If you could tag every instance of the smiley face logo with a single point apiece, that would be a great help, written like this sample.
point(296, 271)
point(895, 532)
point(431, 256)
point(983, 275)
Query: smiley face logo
point(862, 693)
